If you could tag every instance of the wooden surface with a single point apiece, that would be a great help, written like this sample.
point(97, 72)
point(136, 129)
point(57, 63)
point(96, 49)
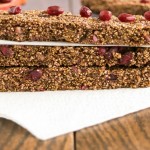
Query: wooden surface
point(128, 133)
point(131, 132)
point(13, 137)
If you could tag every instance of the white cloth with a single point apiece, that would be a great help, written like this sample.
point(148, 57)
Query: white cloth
point(49, 114)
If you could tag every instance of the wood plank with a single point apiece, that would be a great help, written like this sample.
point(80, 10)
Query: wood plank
point(14, 137)
point(126, 133)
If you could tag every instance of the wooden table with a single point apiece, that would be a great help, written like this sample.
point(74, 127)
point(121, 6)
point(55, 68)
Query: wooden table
point(128, 133)
point(131, 132)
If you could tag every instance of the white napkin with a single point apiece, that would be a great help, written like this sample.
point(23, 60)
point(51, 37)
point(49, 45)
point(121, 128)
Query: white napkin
point(49, 114)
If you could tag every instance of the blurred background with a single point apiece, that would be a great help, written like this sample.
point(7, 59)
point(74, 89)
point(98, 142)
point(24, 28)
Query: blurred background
point(67, 5)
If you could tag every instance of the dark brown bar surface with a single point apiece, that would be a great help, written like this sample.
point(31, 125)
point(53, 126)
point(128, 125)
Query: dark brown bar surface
point(117, 7)
point(69, 56)
point(39, 26)
point(73, 78)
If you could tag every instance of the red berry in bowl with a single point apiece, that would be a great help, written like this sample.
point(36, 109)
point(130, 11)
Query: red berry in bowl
point(105, 15)
point(14, 10)
point(85, 12)
point(124, 17)
point(126, 58)
point(147, 15)
point(55, 10)
point(35, 74)
point(5, 1)
point(145, 1)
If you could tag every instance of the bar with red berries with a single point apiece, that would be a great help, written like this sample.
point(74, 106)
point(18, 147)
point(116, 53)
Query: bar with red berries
point(136, 7)
point(124, 64)
point(72, 78)
point(70, 56)
point(56, 25)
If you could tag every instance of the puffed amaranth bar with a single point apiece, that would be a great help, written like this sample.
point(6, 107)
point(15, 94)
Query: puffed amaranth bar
point(72, 78)
point(39, 26)
point(69, 56)
point(120, 6)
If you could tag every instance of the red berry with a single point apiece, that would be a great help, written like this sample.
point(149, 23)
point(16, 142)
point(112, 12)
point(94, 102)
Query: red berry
point(35, 74)
point(75, 69)
point(108, 55)
point(84, 87)
point(112, 77)
point(113, 49)
point(85, 12)
point(55, 10)
point(145, 1)
point(14, 10)
point(124, 17)
point(6, 51)
point(126, 58)
point(105, 15)
point(101, 51)
point(95, 39)
point(147, 15)
point(5, 1)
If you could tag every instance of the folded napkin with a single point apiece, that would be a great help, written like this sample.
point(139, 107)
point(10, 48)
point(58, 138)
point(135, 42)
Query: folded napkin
point(49, 114)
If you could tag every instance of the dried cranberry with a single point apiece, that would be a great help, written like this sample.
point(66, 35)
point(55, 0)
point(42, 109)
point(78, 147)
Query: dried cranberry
point(147, 15)
point(84, 87)
point(105, 15)
point(6, 51)
point(145, 1)
point(55, 10)
point(101, 51)
point(124, 17)
point(85, 12)
point(75, 69)
point(5, 1)
point(14, 10)
point(95, 39)
point(112, 77)
point(126, 58)
point(108, 55)
point(35, 74)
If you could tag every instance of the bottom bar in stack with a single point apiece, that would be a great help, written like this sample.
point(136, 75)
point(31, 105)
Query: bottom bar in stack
point(73, 78)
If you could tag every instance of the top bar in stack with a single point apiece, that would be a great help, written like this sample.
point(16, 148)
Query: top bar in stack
point(40, 26)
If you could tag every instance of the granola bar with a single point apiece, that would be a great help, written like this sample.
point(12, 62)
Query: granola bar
point(40, 26)
point(72, 78)
point(69, 56)
point(137, 7)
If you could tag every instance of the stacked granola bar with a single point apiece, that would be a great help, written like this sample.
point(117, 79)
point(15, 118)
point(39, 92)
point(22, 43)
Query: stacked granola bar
point(98, 66)
point(137, 7)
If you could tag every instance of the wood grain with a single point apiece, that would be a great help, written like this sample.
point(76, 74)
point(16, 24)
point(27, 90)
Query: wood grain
point(127, 133)
point(131, 132)
point(14, 137)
